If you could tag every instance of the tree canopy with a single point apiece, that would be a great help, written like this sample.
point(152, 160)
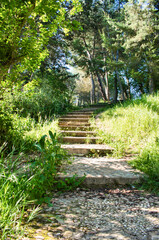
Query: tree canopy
point(25, 29)
point(114, 42)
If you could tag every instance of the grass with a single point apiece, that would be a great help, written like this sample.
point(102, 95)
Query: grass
point(130, 127)
point(27, 173)
point(133, 127)
point(24, 181)
point(40, 129)
point(30, 158)
point(13, 198)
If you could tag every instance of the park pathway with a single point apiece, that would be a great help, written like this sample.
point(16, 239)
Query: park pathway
point(104, 208)
point(91, 157)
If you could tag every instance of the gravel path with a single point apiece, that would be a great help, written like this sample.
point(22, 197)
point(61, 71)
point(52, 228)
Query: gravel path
point(106, 214)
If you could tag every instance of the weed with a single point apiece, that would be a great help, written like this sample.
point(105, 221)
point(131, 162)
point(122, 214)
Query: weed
point(13, 198)
point(68, 184)
point(46, 165)
point(20, 186)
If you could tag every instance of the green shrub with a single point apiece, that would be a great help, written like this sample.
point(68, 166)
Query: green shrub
point(39, 104)
point(9, 136)
point(46, 165)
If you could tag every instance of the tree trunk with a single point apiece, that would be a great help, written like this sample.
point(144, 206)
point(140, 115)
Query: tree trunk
point(121, 87)
point(128, 84)
point(141, 88)
point(93, 89)
point(118, 78)
point(115, 88)
point(151, 85)
point(101, 86)
point(107, 86)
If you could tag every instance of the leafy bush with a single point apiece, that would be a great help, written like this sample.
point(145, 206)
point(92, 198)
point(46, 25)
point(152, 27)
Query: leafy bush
point(9, 135)
point(39, 104)
point(46, 165)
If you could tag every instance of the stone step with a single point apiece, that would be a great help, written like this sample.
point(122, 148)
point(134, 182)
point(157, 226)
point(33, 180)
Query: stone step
point(78, 133)
point(72, 124)
point(75, 127)
point(72, 120)
point(76, 116)
point(80, 140)
point(102, 172)
point(89, 109)
point(81, 113)
point(85, 149)
point(100, 105)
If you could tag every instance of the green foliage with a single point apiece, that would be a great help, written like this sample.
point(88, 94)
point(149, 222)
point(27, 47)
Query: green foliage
point(40, 104)
point(9, 135)
point(45, 167)
point(26, 111)
point(21, 132)
point(133, 127)
point(25, 28)
point(140, 41)
point(148, 162)
point(28, 180)
point(13, 198)
point(69, 184)
point(40, 129)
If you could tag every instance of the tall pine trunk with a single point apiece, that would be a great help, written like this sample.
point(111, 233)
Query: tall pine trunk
point(115, 88)
point(92, 98)
point(107, 86)
point(118, 78)
point(101, 86)
point(128, 85)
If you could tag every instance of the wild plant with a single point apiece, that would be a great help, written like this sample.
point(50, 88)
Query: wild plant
point(46, 165)
point(13, 197)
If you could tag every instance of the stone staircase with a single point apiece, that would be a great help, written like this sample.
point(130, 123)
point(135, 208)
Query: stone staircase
point(80, 140)
point(78, 136)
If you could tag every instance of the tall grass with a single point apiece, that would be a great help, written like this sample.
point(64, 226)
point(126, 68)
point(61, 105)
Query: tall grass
point(13, 198)
point(133, 127)
point(36, 132)
point(25, 180)
point(25, 119)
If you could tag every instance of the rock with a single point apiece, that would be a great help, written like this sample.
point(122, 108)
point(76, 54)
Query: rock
point(39, 237)
point(153, 236)
point(102, 214)
point(67, 234)
point(78, 236)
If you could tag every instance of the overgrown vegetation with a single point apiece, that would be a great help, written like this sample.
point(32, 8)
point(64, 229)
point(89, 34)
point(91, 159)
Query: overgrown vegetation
point(133, 128)
point(116, 45)
point(25, 180)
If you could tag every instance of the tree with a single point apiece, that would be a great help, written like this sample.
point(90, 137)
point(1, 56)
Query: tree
point(25, 29)
point(141, 40)
point(87, 46)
